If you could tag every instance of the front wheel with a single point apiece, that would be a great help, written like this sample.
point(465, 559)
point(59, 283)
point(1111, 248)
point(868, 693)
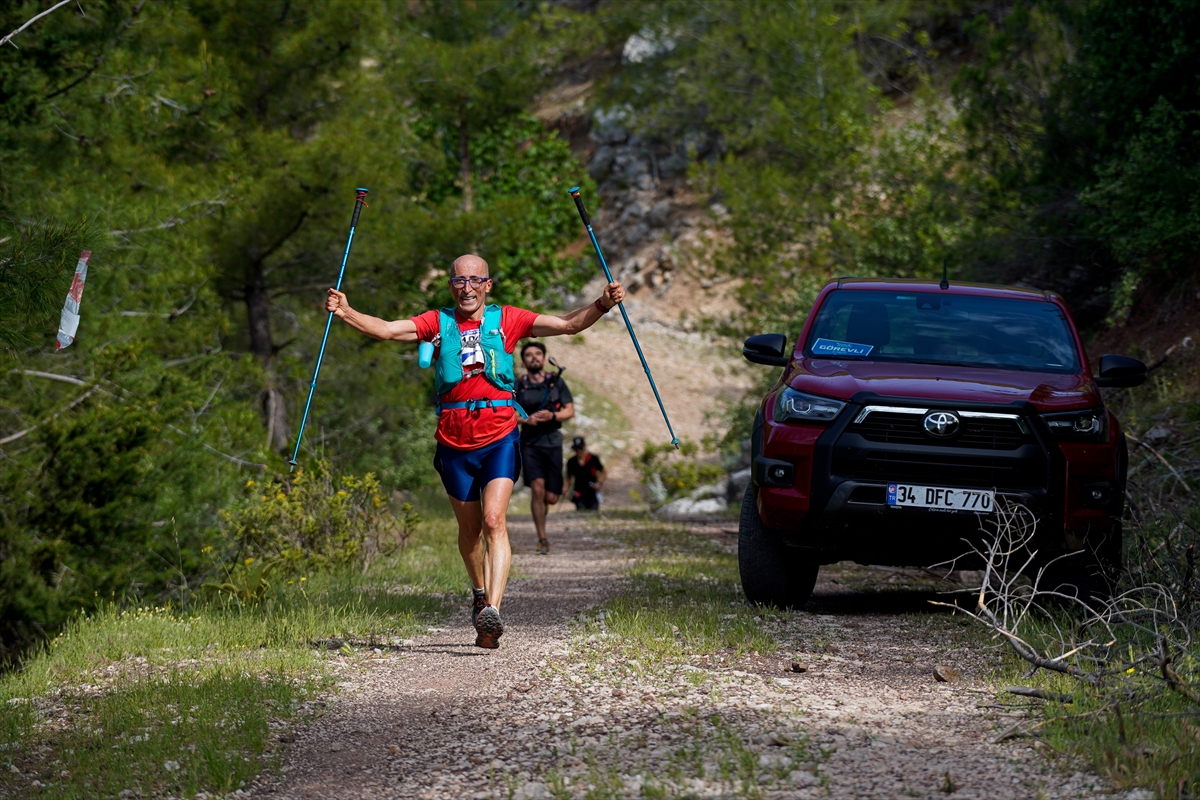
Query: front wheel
point(773, 574)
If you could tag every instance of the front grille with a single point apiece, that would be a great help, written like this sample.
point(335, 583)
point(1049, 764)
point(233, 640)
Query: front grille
point(943, 466)
point(980, 433)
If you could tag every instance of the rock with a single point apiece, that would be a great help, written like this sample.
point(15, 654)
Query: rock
point(771, 740)
point(672, 165)
point(774, 760)
point(337, 747)
point(735, 485)
point(800, 777)
point(602, 163)
point(945, 674)
point(533, 790)
point(659, 214)
point(636, 233)
point(1158, 433)
point(1140, 794)
point(644, 181)
point(686, 506)
point(635, 210)
point(798, 667)
point(611, 134)
point(394, 749)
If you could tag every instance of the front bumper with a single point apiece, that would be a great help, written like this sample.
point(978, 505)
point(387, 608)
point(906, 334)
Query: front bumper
point(833, 500)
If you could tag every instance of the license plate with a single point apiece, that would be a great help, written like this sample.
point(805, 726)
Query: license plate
point(939, 497)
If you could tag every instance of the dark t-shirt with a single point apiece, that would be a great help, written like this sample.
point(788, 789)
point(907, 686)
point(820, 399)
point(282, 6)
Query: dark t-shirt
point(584, 474)
point(530, 396)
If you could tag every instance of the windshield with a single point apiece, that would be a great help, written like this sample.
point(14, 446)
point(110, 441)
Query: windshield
point(938, 328)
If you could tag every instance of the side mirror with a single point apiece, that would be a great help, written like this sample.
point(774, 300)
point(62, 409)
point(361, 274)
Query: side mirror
point(1120, 371)
point(767, 348)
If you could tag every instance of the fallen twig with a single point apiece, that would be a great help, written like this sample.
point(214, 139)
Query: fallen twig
point(1042, 694)
point(1159, 456)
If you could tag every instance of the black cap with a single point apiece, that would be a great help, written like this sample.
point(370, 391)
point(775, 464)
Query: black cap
point(577, 443)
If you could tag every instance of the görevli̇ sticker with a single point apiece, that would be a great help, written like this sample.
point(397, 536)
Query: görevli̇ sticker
point(831, 347)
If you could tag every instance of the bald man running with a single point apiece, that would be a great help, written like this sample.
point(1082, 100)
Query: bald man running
point(478, 449)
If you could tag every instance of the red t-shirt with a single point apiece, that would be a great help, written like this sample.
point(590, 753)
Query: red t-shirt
point(462, 428)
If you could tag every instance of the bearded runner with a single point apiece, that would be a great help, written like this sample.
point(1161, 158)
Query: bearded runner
point(478, 446)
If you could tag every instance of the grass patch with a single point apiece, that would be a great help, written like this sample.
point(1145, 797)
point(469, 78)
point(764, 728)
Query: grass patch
point(178, 701)
point(1136, 733)
point(683, 599)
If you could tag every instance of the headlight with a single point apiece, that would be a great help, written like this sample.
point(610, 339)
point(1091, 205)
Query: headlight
point(1081, 426)
point(793, 406)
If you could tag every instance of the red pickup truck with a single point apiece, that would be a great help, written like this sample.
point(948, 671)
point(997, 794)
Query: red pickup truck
point(907, 411)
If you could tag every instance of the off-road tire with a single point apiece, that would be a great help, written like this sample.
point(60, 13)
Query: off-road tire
point(773, 574)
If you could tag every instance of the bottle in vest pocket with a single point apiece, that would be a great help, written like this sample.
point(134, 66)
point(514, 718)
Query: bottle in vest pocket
point(425, 352)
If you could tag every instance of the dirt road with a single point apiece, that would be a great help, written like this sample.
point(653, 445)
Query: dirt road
point(559, 713)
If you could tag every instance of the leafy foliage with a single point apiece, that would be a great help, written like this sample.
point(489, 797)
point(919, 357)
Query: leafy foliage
point(315, 521)
point(669, 473)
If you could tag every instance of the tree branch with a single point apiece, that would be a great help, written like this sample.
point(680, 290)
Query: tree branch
point(50, 376)
point(8, 39)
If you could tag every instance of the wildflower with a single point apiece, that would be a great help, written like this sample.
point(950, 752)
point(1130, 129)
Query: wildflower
point(249, 561)
point(341, 493)
point(303, 579)
point(281, 496)
point(249, 484)
point(206, 549)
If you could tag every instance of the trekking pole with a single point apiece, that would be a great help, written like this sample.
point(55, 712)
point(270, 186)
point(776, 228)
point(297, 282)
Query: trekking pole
point(587, 222)
point(360, 200)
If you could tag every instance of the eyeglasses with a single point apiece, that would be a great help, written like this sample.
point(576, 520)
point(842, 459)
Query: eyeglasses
point(474, 280)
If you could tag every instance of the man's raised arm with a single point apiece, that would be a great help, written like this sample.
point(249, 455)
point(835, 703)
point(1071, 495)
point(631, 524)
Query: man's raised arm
point(581, 318)
point(400, 330)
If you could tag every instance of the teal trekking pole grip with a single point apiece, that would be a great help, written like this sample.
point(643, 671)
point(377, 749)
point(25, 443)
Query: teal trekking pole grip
point(587, 222)
point(360, 200)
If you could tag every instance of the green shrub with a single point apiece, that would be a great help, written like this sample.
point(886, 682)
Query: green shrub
point(312, 522)
point(669, 473)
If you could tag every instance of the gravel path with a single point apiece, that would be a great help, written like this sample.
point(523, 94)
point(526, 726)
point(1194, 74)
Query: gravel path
point(557, 714)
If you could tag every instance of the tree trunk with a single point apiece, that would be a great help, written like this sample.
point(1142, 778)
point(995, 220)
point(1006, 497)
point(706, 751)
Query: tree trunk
point(258, 316)
point(464, 167)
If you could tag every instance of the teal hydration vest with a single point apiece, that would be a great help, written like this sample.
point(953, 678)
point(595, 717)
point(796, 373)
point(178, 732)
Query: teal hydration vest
point(497, 361)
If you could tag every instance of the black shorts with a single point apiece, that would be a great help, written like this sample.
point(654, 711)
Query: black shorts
point(545, 463)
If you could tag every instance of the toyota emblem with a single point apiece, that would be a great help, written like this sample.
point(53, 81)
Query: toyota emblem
point(941, 423)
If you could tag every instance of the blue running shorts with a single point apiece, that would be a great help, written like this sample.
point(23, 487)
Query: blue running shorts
point(465, 472)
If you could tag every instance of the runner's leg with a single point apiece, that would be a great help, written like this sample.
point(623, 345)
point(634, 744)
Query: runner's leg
point(469, 514)
point(538, 505)
point(495, 530)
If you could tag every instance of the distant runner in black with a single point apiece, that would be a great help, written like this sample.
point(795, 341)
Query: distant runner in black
point(547, 400)
point(586, 470)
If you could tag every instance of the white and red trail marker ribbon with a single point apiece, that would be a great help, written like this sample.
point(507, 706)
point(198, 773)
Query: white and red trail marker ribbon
point(68, 323)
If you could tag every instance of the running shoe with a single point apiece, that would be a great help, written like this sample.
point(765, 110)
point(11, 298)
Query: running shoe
point(489, 627)
point(543, 547)
point(478, 604)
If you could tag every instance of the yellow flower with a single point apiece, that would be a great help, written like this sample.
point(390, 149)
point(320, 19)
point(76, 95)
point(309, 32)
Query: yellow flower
point(281, 496)
point(206, 549)
point(341, 493)
point(303, 579)
point(249, 483)
point(290, 583)
point(249, 561)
